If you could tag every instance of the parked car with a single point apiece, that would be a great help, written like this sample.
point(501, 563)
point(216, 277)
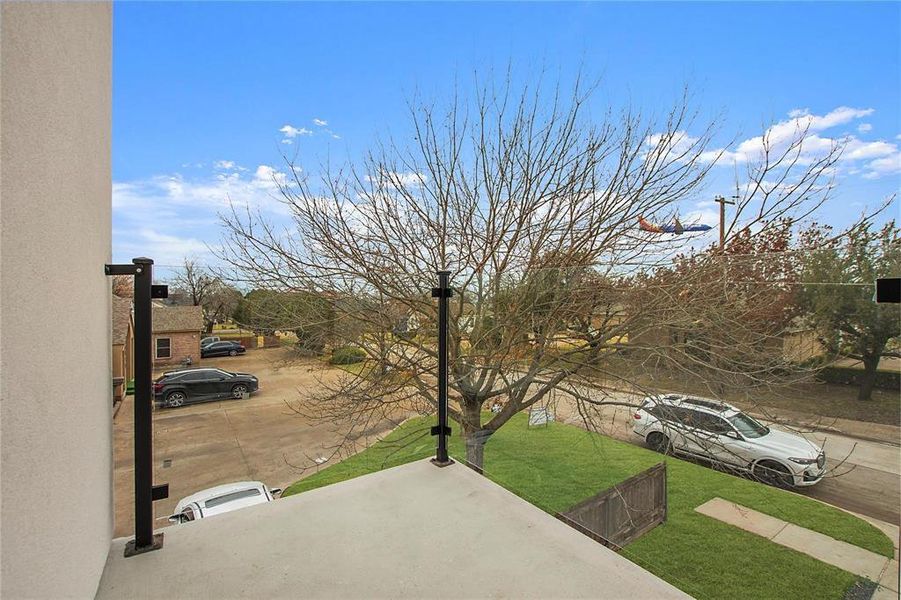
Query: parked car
point(222, 499)
point(721, 433)
point(183, 386)
point(210, 339)
point(222, 349)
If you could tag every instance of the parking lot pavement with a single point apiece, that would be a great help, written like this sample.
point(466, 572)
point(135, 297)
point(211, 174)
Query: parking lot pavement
point(203, 445)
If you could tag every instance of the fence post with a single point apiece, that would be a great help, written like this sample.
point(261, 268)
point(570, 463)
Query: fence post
point(442, 292)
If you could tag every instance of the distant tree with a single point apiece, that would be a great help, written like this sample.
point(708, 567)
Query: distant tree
point(197, 286)
point(219, 304)
point(123, 286)
point(310, 316)
point(838, 298)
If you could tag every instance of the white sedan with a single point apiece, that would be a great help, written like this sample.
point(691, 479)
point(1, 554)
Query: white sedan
point(222, 499)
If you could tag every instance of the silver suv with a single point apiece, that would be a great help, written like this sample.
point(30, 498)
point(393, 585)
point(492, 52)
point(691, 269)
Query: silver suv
point(721, 433)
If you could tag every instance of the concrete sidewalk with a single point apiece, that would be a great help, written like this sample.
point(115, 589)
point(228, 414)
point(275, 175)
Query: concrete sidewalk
point(843, 555)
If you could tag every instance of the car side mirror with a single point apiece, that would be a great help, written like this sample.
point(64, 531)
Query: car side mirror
point(175, 519)
point(275, 491)
point(733, 434)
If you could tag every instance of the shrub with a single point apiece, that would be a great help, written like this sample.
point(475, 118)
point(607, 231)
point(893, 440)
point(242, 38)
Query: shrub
point(889, 380)
point(347, 355)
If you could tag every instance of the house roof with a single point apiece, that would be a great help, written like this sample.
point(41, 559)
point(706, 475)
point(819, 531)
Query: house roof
point(177, 318)
point(121, 318)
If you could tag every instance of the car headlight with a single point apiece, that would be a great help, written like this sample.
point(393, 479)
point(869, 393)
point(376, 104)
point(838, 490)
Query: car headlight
point(804, 461)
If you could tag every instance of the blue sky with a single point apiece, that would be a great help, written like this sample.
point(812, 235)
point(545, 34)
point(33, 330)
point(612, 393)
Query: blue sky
point(203, 92)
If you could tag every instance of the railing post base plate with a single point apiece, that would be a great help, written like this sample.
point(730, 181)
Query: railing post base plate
point(131, 549)
point(442, 463)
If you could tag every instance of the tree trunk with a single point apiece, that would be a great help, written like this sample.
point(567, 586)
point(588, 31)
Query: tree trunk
point(473, 434)
point(867, 379)
point(475, 448)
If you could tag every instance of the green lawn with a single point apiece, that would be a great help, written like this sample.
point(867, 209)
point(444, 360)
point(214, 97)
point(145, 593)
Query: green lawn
point(557, 466)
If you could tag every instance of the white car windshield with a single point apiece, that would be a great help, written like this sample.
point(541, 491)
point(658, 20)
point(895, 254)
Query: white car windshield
point(747, 426)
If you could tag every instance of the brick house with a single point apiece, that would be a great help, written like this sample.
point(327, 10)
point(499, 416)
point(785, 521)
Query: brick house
point(123, 331)
point(176, 334)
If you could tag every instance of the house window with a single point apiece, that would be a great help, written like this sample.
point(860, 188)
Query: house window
point(163, 348)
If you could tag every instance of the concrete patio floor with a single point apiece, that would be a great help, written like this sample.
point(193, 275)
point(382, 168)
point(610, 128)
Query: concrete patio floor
point(414, 531)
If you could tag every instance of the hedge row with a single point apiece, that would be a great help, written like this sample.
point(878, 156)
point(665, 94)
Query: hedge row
point(889, 380)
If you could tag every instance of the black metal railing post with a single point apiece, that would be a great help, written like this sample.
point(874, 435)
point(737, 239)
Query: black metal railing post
point(145, 491)
point(143, 408)
point(443, 292)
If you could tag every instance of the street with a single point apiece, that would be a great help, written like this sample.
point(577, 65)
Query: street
point(864, 475)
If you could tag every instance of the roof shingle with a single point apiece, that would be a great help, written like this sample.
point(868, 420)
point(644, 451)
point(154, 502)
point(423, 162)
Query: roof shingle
point(121, 317)
point(177, 318)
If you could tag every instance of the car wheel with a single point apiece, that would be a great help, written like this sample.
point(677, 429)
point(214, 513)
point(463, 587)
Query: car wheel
point(772, 473)
point(175, 399)
point(239, 390)
point(233, 353)
point(659, 442)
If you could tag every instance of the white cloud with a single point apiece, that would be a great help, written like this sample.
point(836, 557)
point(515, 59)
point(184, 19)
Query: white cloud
point(856, 149)
point(401, 179)
point(224, 164)
point(800, 123)
point(169, 216)
point(320, 122)
point(889, 165)
point(882, 155)
point(290, 131)
point(287, 141)
point(672, 145)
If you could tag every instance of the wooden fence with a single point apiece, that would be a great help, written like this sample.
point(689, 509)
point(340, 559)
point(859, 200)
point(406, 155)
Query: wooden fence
point(251, 341)
point(624, 512)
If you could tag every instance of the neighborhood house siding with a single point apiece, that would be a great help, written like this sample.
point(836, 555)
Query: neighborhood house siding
point(182, 345)
point(123, 345)
point(181, 327)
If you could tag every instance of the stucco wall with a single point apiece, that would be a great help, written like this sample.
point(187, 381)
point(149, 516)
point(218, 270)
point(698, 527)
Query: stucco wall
point(55, 388)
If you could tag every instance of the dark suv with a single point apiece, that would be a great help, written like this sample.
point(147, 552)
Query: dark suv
point(222, 349)
point(176, 388)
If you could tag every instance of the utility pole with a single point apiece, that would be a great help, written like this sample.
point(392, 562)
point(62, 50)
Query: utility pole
point(723, 202)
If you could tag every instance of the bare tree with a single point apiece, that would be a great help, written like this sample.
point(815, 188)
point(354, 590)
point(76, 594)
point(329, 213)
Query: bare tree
point(532, 203)
point(123, 286)
point(200, 287)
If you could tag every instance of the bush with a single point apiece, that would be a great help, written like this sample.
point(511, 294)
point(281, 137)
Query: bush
point(887, 380)
point(347, 355)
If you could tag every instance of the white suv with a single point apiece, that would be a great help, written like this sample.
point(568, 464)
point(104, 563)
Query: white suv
point(721, 433)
